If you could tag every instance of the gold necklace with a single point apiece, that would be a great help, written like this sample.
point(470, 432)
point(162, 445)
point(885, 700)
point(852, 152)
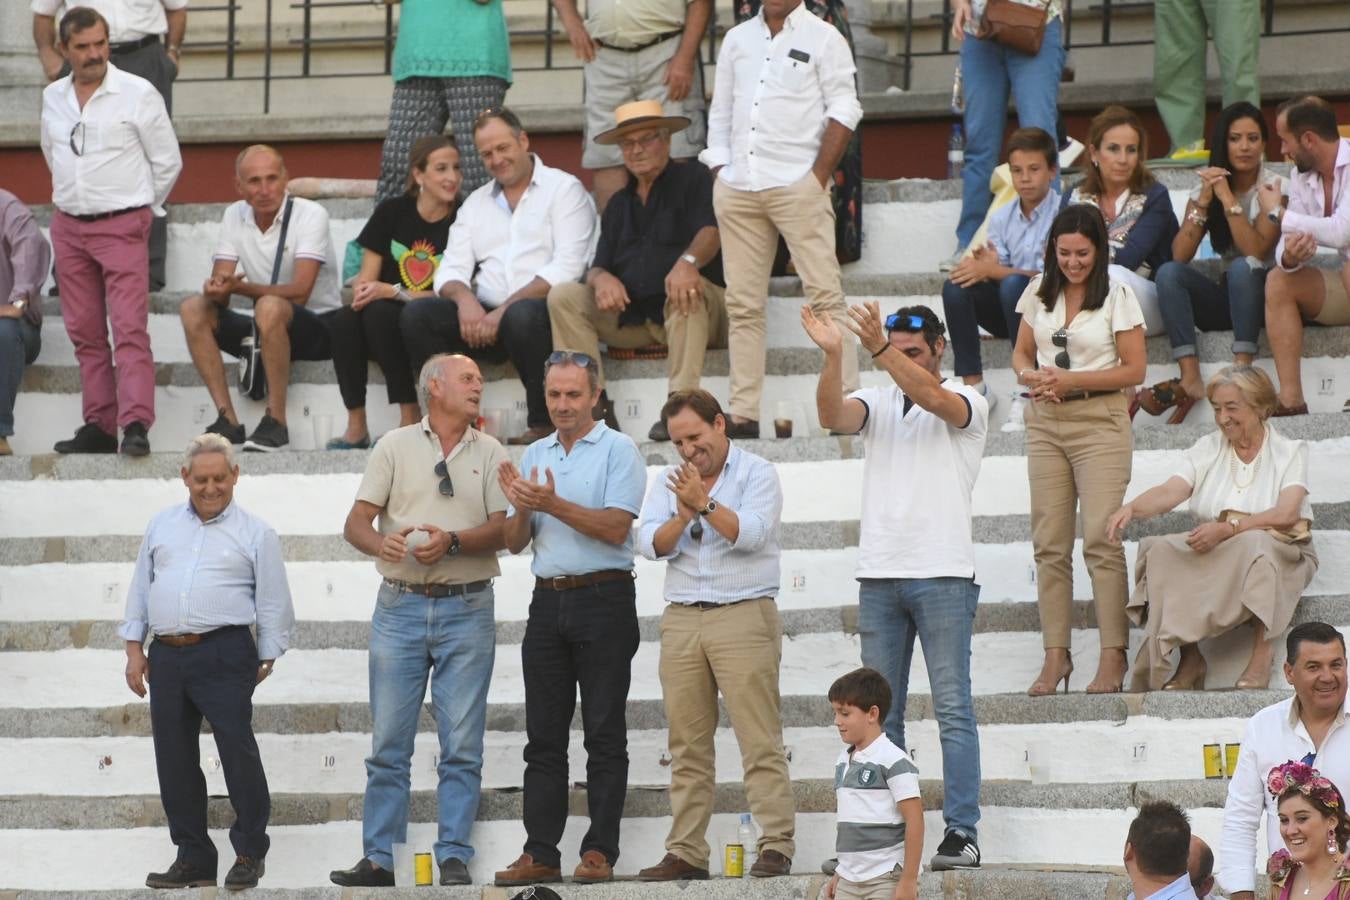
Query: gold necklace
point(1233, 466)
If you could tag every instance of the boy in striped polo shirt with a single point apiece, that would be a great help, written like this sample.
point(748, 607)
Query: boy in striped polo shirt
point(877, 798)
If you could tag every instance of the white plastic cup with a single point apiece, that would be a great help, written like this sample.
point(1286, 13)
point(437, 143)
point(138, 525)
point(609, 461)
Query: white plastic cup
point(403, 865)
point(494, 421)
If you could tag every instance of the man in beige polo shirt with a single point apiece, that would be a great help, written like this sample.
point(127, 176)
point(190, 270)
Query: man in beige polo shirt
point(434, 487)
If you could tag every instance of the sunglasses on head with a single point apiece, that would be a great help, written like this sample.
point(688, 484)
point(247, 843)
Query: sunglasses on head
point(1061, 339)
point(447, 487)
point(574, 357)
point(897, 322)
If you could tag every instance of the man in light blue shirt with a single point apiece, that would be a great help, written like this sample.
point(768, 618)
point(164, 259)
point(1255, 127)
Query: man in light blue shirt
point(715, 520)
point(206, 571)
point(1156, 853)
point(581, 490)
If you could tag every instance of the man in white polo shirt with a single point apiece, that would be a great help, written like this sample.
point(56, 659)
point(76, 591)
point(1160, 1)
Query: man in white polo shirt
point(923, 436)
point(294, 293)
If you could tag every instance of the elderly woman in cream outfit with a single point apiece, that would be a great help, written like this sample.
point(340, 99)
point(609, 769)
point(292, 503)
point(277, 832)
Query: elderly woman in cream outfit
point(1250, 556)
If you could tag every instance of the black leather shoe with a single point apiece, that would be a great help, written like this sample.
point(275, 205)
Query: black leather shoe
point(453, 871)
point(181, 875)
point(244, 873)
point(747, 431)
point(604, 410)
point(135, 442)
point(363, 874)
point(89, 438)
point(658, 432)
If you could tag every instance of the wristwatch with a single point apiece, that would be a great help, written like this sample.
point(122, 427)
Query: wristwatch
point(1235, 209)
point(709, 509)
point(691, 259)
point(20, 304)
point(1275, 214)
point(453, 550)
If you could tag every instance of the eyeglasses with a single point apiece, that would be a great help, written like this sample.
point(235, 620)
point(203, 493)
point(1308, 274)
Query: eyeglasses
point(447, 487)
point(631, 144)
point(1061, 339)
point(78, 129)
point(572, 357)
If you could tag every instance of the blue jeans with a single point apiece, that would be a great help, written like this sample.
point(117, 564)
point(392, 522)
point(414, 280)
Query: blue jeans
point(989, 71)
point(452, 639)
point(991, 304)
point(1188, 299)
point(20, 341)
point(941, 611)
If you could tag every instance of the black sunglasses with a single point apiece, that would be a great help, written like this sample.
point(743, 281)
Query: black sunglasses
point(1061, 339)
point(79, 128)
point(696, 531)
point(447, 486)
point(575, 357)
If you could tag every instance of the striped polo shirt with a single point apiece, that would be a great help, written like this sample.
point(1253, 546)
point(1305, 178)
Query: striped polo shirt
point(868, 786)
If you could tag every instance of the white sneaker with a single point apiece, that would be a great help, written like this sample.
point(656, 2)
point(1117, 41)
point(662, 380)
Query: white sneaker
point(1016, 412)
point(991, 398)
point(950, 262)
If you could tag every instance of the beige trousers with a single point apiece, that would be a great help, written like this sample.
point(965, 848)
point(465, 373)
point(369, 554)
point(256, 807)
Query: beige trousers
point(579, 325)
point(736, 649)
point(1078, 461)
point(749, 223)
point(880, 888)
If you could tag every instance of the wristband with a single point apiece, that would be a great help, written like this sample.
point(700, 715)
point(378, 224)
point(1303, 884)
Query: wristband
point(882, 350)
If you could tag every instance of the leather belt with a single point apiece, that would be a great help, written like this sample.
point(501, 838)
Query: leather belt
point(1086, 395)
point(439, 590)
point(97, 217)
point(189, 640)
point(659, 39)
point(572, 582)
point(132, 46)
point(705, 604)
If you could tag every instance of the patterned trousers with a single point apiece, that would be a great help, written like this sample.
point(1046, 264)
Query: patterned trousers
point(421, 106)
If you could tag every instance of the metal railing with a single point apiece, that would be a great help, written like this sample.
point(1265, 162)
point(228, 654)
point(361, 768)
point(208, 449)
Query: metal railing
point(233, 45)
point(1103, 10)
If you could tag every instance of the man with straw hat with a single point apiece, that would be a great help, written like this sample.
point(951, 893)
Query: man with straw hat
point(657, 273)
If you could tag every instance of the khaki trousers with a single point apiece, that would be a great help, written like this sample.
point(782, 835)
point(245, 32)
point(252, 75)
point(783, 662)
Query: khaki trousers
point(749, 223)
point(1078, 461)
point(880, 888)
point(736, 649)
point(579, 325)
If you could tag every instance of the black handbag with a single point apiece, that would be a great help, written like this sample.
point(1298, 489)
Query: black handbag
point(252, 375)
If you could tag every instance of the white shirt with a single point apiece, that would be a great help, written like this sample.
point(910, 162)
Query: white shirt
point(1208, 468)
point(868, 787)
point(128, 20)
point(128, 152)
point(772, 98)
point(1306, 212)
point(550, 234)
point(918, 474)
point(307, 238)
point(1274, 735)
point(1092, 334)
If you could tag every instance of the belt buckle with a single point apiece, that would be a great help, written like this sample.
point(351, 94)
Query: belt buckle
point(556, 579)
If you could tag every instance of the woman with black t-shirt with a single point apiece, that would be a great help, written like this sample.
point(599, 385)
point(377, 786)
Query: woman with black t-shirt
point(401, 248)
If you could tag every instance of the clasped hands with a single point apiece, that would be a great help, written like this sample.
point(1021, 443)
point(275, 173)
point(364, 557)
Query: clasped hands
point(1048, 384)
point(976, 267)
point(477, 326)
point(686, 484)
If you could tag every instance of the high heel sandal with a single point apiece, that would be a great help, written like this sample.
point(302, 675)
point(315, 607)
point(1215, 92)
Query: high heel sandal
point(1040, 688)
point(1115, 687)
point(1195, 683)
point(1253, 683)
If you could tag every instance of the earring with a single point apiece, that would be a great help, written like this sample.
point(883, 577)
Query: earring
point(1331, 844)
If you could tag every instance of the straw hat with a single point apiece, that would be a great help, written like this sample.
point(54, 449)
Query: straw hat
point(640, 114)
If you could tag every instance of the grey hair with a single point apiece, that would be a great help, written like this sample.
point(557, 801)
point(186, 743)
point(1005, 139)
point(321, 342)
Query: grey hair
point(431, 371)
point(208, 443)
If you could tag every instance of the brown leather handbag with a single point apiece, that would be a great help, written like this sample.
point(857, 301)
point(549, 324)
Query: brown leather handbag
point(1017, 26)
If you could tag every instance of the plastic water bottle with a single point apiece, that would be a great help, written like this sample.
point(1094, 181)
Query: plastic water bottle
point(748, 838)
point(958, 92)
point(956, 151)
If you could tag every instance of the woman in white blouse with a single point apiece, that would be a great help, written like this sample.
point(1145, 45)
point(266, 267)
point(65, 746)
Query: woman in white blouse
point(1250, 556)
point(1081, 344)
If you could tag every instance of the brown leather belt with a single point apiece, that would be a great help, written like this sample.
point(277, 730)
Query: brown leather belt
point(438, 590)
point(572, 582)
point(1086, 395)
point(189, 640)
point(659, 39)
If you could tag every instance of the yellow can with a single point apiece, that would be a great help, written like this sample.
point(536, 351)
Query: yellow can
point(734, 864)
point(422, 869)
point(1213, 755)
point(1230, 756)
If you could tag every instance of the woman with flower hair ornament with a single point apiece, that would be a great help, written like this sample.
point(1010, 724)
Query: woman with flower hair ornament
point(1315, 828)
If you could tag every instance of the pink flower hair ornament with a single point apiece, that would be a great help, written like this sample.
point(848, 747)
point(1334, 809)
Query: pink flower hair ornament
point(1307, 780)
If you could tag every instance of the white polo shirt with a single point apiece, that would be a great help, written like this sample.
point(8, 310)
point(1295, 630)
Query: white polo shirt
point(307, 238)
point(128, 20)
point(918, 475)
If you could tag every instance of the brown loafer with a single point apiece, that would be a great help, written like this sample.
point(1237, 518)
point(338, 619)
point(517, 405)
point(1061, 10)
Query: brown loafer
point(672, 868)
point(770, 864)
point(1281, 410)
point(526, 871)
point(593, 868)
point(530, 435)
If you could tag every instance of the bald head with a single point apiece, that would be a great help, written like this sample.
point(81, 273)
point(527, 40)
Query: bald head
point(1200, 866)
point(258, 152)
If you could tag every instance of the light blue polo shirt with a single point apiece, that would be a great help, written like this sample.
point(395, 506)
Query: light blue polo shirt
point(604, 470)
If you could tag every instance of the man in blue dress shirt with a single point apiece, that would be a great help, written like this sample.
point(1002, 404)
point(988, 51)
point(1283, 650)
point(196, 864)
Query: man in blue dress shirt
point(206, 571)
point(581, 489)
point(715, 520)
point(1156, 853)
